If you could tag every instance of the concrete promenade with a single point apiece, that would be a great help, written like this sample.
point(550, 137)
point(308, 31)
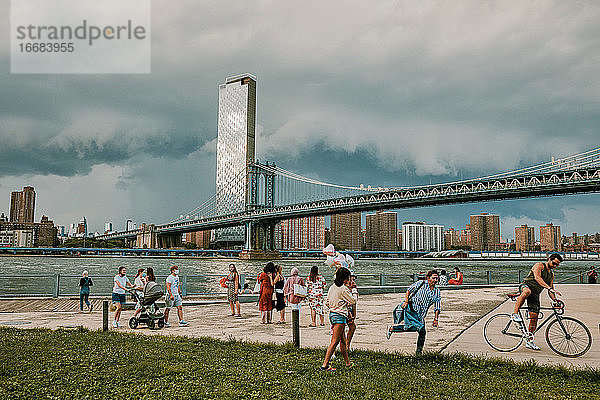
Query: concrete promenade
point(581, 302)
point(460, 329)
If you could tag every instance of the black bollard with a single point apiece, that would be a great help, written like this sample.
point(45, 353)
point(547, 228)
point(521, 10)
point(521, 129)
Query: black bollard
point(105, 316)
point(296, 327)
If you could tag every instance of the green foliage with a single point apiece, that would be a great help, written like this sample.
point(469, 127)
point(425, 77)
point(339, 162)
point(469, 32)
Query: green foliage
point(81, 364)
point(93, 243)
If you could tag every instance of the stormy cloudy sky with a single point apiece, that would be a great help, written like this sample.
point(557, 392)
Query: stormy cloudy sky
point(381, 93)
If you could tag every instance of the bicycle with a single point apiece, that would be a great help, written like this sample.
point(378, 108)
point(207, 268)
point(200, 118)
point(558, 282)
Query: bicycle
point(566, 336)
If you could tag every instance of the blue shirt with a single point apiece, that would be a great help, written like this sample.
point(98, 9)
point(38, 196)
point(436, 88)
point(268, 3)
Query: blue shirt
point(424, 298)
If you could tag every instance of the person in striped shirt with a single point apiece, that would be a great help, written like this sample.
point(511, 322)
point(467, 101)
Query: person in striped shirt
point(421, 295)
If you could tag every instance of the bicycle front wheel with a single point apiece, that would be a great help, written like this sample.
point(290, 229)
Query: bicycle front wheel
point(501, 333)
point(568, 337)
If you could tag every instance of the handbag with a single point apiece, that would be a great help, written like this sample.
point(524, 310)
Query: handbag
point(256, 288)
point(412, 322)
point(299, 290)
point(223, 282)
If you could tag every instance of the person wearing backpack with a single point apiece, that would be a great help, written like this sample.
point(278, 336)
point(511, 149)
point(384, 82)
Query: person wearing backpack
point(419, 297)
point(84, 291)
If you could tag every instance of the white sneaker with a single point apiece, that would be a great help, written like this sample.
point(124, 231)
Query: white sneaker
point(115, 325)
point(530, 344)
point(183, 323)
point(516, 317)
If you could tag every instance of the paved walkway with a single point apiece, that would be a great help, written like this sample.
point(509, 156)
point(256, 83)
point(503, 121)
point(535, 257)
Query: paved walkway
point(460, 328)
point(582, 302)
point(213, 320)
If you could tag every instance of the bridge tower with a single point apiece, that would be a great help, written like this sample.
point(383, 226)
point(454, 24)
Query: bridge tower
point(259, 240)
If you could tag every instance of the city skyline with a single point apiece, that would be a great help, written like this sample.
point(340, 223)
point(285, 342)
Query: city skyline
point(394, 94)
point(503, 233)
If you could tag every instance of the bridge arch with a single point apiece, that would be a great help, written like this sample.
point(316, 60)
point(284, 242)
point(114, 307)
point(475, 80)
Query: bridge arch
point(554, 179)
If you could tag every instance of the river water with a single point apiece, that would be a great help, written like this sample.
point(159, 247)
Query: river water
point(20, 275)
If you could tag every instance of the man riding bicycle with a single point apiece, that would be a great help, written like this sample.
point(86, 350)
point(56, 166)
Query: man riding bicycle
point(539, 278)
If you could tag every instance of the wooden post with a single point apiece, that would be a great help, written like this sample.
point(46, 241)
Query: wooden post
point(489, 277)
point(296, 327)
point(105, 315)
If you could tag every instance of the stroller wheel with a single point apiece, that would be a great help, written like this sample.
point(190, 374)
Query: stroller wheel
point(133, 322)
point(151, 324)
point(161, 323)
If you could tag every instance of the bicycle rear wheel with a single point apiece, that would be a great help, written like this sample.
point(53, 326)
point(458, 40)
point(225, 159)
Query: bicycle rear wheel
point(501, 333)
point(568, 337)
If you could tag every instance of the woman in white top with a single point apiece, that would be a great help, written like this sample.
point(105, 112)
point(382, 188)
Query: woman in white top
point(139, 283)
point(339, 300)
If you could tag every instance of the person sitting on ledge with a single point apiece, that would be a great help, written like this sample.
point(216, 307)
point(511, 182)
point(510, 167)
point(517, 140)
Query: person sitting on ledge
point(246, 289)
point(458, 277)
point(443, 278)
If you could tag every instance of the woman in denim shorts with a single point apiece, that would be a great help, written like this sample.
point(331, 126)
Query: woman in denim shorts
point(339, 300)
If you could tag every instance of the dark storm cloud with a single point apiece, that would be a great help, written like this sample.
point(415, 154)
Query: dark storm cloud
point(65, 127)
point(76, 157)
point(426, 88)
point(388, 93)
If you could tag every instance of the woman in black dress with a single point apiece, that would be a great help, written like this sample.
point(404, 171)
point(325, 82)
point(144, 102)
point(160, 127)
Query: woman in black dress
point(233, 287)
point(278, 283)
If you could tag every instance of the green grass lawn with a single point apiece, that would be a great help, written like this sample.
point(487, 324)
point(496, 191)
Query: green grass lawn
point(85, 364)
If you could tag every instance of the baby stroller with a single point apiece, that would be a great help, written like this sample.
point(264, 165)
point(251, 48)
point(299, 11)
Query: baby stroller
point(150, 314)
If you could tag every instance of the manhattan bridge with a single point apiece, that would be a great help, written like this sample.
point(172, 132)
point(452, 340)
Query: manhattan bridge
point(263, 194)
point(276, 194)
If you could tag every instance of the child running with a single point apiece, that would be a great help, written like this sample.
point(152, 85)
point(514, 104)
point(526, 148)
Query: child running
point(339, 298)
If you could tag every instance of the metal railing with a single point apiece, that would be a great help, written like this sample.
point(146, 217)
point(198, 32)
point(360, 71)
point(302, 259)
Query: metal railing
point(58, 285)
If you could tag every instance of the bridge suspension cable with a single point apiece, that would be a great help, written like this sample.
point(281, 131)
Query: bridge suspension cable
point(209, 207)
point(293, 188)
point(586, 159)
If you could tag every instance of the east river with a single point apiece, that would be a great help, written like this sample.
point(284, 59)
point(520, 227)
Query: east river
point(36, 275)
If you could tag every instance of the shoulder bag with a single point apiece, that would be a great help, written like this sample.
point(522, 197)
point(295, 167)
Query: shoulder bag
point(411, 320)
point(300, 290)
point(223, 282)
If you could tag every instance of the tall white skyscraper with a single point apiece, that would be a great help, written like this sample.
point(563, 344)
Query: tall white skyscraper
point(417, 236)
point(235, 148)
